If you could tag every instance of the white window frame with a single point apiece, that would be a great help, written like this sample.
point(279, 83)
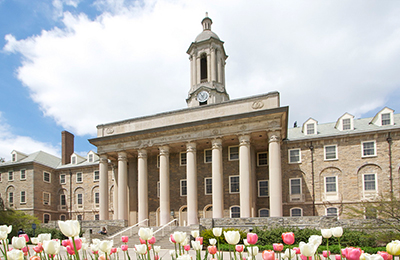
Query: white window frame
point(231, 154)
point(376, 183)
point(205, 186)
point(61, 178)
point(205, 156)
point(325, 153)
point(96, 197)
point(90, 157)
point(230, 211)
point(65, 200)
point(336, 185)
point(22, 196)
point(74, 159)
point(230, 184)
point(44, 179)
point(44, 198)
point(330, 214)
point(182, 158)
point(259, 188)
point(14, 157)
point(80, 205)
point(258, 159)
point(313, 128)
point(296, 208)
point(181, 187)
point(11, 197)
point(343, 124)
point(98, 175)
point(259, 212)
point(382, 119)
point(81, 174)
point(20, 174)
point(362, 149)
point(12, 175)
point(290, 187)
point(296, 149)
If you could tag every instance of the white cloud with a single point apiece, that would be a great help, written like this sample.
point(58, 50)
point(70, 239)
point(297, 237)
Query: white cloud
point(24, 144)
point(58, 6)
point(324, 58)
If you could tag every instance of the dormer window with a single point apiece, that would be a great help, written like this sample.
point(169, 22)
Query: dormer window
point(310, 128)
point(14, 157)
point(90, 157)
point(73, 160)
point(385, 119)
point(346, 123)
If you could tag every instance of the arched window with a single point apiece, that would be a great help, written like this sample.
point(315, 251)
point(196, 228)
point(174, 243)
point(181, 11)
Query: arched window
point(263, 213)
point(46, 218)
point(203, 68)
point(63, 217)
point(331, 211)
point(296, 212)
point(79, 217)
point(235, 212)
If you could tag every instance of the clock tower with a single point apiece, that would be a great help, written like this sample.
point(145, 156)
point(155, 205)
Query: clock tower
point(207, 68)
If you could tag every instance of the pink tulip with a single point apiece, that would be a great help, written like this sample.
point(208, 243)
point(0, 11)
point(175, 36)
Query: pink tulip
point(24, 249)
point(124, 247)
point(199, 239)
point(288, 238)
point(65, 243)
point(268, 255)
point(70, 250)
point(186, 247)
point(26, 237)
point(297, 250)
point(152, 240)
point(156, 257)
point(252, 238)
point(38, 248)
point(385, 255)
point(113, 250)
point(326, 253)
point(353, 253)
point(149, 247)
point(171, 237)
point(142, 241)
point(124, 239)
point(239, 248)
point(78, 243)
point(95, 252)
point(338, 257)
point(212, 250)
point(344, 252)
point(278, 247)
point(302, 257)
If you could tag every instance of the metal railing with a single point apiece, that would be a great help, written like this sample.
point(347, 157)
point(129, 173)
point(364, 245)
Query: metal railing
point(169, 224)
point(129, 228)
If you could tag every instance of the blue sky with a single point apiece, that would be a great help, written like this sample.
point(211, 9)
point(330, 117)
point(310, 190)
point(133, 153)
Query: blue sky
point(74, 64)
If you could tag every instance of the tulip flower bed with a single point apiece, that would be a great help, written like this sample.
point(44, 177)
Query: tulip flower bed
point(76, 248)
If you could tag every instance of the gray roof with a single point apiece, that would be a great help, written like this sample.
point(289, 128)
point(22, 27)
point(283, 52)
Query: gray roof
point(205, 35)
point(38, 157)
point(328, 129)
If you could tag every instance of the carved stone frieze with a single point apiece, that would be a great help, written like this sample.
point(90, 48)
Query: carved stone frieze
point(257, 104)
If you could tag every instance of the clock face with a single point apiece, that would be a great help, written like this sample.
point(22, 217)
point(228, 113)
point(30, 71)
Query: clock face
point(202, 96)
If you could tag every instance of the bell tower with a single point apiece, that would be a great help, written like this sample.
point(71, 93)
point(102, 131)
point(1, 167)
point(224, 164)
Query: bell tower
point(207, 68)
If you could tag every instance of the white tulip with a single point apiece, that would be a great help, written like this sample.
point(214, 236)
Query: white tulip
point(94, 247)
point(145, 233)
point(6, 228)
point(245, 242)
point(307, 249)
point(70, 228)
point(15, 255)
point(179, 237)
point(51, 247)
point(232, 237)
point(18, 242)
point(141, 249)
point(337, 231)
point(326, 233)
point(315, 240)
point(96, 241)
point(212, 241)
point(292, 254)
point(172, 253)
point(3, 235)
point(253, 250)
point(105, 246)
point(44, 237)
point(184, 257)
point(34, 240)
point(217, 232)
point(195, 233)
point(196, 245)
point(85, 246)
point(157, 249)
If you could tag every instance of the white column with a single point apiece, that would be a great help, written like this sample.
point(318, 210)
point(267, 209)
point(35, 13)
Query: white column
point(213, 65)
point(191, 72)
point(143, 203)
point(122, 186)
point(103, 187)
point(191, 180)
point(164, 185)
point(219, 67)
point(217, 179)
point(275, 176)
point(244, 176)
point(115, 194)
point(208, 67)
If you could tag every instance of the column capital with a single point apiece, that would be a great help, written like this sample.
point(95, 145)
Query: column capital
point(122, 156)
point(103, 158)
point(216, 143)
point(191, 147)
point(244, 140)
point(164, 150)
point(142, 153)
point(274, 137)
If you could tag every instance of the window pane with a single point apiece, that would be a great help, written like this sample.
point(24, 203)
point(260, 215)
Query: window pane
point(262, 159)
point(234, 184)
point(310, 129)
point(23, 176)
point(386, 119)
point(183, 158)
point(330, 152)
point(208, 185)
point(346, 124)
point(331, 212)
point(23, 198)
point(368, 148)
point(80, 201)
point(296, 212)
point(264, 213)
point(369, 182)
point(96, 175)
point(235, 212)
point(263, 188)
point(330, 184)
point(183, 188)
point(207, 156)
point(62, 200)
point(294, 156)
point(295, 186)
point(234, 153)
point(96, 198)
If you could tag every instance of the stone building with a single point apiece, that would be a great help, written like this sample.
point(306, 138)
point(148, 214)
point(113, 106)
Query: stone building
point(218, 158)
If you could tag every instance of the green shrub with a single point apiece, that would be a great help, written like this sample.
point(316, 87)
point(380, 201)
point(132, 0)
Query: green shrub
point(55, 233)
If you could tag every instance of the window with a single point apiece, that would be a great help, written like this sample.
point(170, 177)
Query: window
point(14, 157)
point(182, 158)
point(96, 198)
point(234, 184)
point(310, 128)
point(203, 67)
point(46, 198)
point(346, 124)
point(23, 197)
point(10, 176)
point(369, 182)
point(235, 212)
point(295, 186)
point(368, 149)
point(46, 218)
point(23, 174)
point(183, 187)
point(96, 217)
point(263, 213)
point(63, 200)
point(63, 217)
point(330, 152)
point(158, 189)
point(96, 175)
point(79, 177)
point(79, 199)
point(46, 177)
point(330, 184)
point(385, 119)
point(11, 197)
point(296, 212)
point(262, 159)
point(233, 153)
point(332, 212)
point(90, 157)
point(79, 217)
point(73, 160)
point(208, 156)
point(294, 156)
point(262, 188)
point(62, 179)
point(208, 186)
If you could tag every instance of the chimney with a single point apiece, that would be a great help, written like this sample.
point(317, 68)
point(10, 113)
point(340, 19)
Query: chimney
point(67, 147)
